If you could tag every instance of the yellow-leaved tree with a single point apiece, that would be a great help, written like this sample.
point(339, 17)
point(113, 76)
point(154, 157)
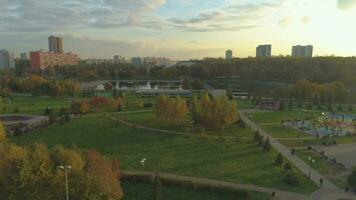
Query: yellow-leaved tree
point(2, 133)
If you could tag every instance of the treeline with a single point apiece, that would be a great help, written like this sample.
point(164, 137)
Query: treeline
point(33, 173)
point(317, 69)
point(320, 93)
point(37, 85)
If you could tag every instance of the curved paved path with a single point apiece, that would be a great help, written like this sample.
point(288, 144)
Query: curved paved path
point(327, 192)
point(216, 183)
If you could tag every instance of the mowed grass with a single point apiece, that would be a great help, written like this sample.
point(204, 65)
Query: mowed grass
point(149, 119)
point(33, 105)
point(241, 162)
point(134, 190)
point(271, 123)
point(333, 172)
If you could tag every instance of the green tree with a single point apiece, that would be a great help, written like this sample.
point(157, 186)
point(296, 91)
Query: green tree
point(267, 145)
point(229, 93)
point(279, 159)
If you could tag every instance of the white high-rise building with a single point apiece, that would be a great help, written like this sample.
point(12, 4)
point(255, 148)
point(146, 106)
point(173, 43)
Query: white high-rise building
point(302, 51)
point(264, 51)
point(229, 54)
point(7, 60)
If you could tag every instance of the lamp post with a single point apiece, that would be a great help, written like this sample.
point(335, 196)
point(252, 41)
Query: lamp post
point(66, 168)
point(312, 161)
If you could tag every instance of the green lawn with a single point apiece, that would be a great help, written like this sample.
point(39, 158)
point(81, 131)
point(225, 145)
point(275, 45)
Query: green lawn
point(333, 172)
point(134, 190)
point(33, 105)
point(271, 122)
point(149, 119)
point(186, 155)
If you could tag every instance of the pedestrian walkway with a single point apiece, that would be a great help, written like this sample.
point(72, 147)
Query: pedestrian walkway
point(215, 184)
point(327, 191)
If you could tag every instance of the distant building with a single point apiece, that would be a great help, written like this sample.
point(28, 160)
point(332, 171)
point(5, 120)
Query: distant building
point(264, 51)
point(95, 61)
point(302, 51)
point(55, 44)
point(7, 60)
point(229, 54)
point(185, 63)
point(119, 59)
point(23, 56)
point(137, 61)
point(41, 60)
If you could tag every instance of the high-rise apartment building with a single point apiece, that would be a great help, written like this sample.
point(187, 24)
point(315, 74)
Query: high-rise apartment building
point(7, 60)
point(55, 44)
point(264, 51)
point(41, 60)
point(228, 54)
point(302, 51)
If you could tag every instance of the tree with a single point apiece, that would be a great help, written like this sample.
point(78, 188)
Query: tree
point(279, 159)
point(24, 172)
point(229, 93)
point(256, 136)
point(80, 107)
point(140, 103)
point(267, 145)
point(352, 180)
point(2, 133)
point(287, 167)
point(260, 141)
point(282, 105)
point(156, 190)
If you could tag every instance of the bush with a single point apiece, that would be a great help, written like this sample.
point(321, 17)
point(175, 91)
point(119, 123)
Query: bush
point(350, 108)
point(351, 180)
point(339, 107)
point(148, 105)
point(80, 107)
point(267, 145)
point(279, 159)
point(291, 179)
point(256, 136)
point(260, 141)
point(287, 167)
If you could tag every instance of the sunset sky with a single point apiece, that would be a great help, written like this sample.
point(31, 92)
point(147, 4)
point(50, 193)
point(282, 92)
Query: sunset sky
point(179, 29)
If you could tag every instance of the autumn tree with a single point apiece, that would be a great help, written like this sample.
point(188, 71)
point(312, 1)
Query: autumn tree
point(171, 109)
point(80, 107)
point(2, 133)
point(32, 173)
point(215, 112)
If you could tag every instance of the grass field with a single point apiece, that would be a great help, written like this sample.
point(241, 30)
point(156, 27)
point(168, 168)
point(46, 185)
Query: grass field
point(149, 119)
point(333, 172)
point(185, 155)
point(271, 122)
point(134, 190)
point(33, 105)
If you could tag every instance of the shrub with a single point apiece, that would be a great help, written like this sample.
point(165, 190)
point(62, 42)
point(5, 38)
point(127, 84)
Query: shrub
point(267, 145)
point(351, 180)
point(291, 178)
point(339, 107)
point(256, 136)
point(80, 107)
point(279, 159)
point(350, 108)
point(287, 167)
point(148, 105)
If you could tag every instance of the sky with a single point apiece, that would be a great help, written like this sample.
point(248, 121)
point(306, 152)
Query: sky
point(179, 29)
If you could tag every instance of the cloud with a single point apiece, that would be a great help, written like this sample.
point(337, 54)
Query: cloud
point(51, 15)
point(346, 4)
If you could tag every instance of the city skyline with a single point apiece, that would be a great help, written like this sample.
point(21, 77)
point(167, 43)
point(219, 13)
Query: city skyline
point(179, 29)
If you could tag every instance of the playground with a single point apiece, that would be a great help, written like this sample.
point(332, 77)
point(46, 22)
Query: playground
point(325, 124)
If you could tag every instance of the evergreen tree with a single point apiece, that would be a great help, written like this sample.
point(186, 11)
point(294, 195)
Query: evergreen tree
point(279, 159)
point(267, 145)
point(229, 92)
